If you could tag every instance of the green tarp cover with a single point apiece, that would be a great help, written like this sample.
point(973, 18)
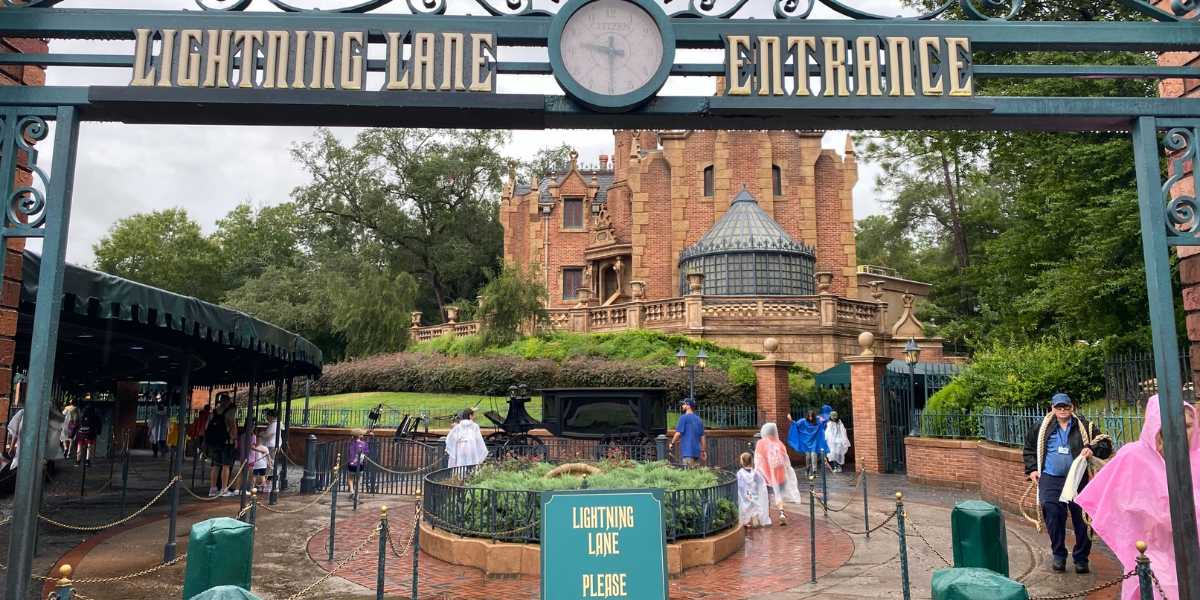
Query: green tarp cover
point(978, 536)
point(220, 553)
point(103, 296)
point(226, 592)
point(975, 584)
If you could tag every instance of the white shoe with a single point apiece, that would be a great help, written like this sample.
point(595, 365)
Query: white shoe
point(212, 492)
point(228, 494)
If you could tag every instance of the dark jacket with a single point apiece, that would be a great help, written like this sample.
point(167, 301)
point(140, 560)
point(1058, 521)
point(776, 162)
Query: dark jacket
point(1100, 443)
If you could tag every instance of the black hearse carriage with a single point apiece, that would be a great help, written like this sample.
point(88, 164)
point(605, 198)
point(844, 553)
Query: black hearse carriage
point(607, 422)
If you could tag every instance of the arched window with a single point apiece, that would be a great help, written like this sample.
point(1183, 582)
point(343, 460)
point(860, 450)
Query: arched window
point(776, 180)
point(708, 181)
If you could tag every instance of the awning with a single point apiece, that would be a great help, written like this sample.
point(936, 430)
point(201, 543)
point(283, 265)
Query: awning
point(114, 329)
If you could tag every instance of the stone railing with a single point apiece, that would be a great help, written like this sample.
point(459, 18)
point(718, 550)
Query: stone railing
point(696, 312)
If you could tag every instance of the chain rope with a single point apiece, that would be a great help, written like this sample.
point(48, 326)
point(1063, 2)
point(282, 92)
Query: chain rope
point(857, 483)
point(321, 494)
point(1086, 592)
point(429, 467)
point(417, 511)
point(121, 521)
point(228, 487)
point(890, 516)
point(1157, 585)
point(338, 567)
point(135, 575)
point(917, 532)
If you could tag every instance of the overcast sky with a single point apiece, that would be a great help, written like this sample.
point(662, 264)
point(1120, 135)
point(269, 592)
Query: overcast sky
point(126, 169)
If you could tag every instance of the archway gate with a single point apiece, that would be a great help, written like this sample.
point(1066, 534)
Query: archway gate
point(355, 63)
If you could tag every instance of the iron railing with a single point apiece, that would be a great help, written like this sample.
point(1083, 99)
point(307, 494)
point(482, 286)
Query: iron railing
point(726, 416)
point(450, 503)
point(1130, 379)
point(1009, 427)
point(394, 466)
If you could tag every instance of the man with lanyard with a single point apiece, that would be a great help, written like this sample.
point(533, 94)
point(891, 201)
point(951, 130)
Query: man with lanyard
point(1050, 449)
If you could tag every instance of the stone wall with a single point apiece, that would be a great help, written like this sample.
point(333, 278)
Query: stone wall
point(1002, 478)
point(11, 291)
point(949, 463)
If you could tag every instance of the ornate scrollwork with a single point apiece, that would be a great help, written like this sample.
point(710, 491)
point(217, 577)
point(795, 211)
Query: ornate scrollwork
point(24, 205)
point(1180, 10)
point(1181, 209)
point(975, 9)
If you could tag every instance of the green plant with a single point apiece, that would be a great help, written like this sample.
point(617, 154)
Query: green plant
point(1025, 375)
point(513, 299)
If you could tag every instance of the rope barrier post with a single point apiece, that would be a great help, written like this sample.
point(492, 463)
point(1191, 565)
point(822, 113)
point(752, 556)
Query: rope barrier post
point(416, 551)
point(812, 525)
point(1144, 574)
point(903, 545)
point(195, 464)
point(83, 476)
point(824, 484)
point(63, 589)
point(308, 483)
point(253, 516)
point(124, 476)
point(185, 397)
point(660, 447)
point(357, 484)
point(335, 482)
point(284, 443)
point(383, 542)
point(866, 525)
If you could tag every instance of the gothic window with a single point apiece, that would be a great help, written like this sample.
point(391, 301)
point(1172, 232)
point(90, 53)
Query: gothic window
point(777, 180)
point(572, 280)
point(708, 181)
point(573, 214)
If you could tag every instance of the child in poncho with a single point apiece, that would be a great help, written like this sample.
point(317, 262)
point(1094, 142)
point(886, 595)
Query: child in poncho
point(753, 509)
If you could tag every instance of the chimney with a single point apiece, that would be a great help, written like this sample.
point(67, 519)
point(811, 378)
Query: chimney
point(603, 162)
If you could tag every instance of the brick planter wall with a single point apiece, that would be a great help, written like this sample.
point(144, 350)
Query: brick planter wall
point(950, 463)
point(1002, 480)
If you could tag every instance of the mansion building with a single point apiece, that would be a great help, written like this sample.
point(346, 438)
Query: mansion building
point(730, 236)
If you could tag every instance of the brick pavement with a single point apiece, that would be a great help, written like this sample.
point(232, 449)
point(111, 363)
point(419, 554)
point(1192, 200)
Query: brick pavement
point(774, 559)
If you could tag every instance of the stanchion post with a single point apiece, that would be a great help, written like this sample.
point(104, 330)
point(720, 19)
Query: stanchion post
point(824, 485)
point(63, 588)
point(195, 465)
point(660, 447)
point(416, 552)
point(903, 545)
point(866, 523)
point(1145, 585)
point(83, 477)
point(335, 481)
point(125, 476)
point(357, 485)
point(253, 516)
point(383, 541)
point(308, 483)
point(812, 526)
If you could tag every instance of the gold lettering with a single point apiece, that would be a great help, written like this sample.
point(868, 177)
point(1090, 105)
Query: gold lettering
point(422, 61)
point(323, 54)
point(352, 62)
point(836, 79)
point(958, 57)
point(276, 67)
point(770, 66)
point(249, 41)
point(925, 45)
point(397, 71)
point(804, 45)
point(168, 57)
point(483, 45)
point(900, 67)
point(216, 69)
point(143, 62)
point(737, 46)
point(301, 42)
point(866, 61)
point(188, 72)
point(452, 61)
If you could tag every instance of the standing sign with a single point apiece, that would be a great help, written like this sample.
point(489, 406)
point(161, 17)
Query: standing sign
point(603, 544)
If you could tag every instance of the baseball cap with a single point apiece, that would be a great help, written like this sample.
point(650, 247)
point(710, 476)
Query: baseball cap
point(690, 402)
point(1060, 399)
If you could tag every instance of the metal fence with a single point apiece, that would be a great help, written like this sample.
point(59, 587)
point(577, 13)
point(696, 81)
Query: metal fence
point(451, 504)
point(1130, 379)
point(1010, 426)
point(731, 416)
point(394, 466)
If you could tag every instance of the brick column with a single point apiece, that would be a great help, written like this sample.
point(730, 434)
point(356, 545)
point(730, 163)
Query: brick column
point(771, 389)
point(866, 373)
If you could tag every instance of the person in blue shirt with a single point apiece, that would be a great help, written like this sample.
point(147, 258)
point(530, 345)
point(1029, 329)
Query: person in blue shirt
point(689, 434)
point(1049, 451)
point(807, 436)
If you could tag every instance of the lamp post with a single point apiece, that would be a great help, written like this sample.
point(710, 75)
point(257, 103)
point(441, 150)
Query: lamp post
point(912, 354)
point(681, 358)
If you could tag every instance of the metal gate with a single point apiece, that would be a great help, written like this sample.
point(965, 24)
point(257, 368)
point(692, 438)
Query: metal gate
point(897, 391)
point(393, 466)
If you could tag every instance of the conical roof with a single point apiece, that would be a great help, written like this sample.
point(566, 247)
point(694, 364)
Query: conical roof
point(745, 227)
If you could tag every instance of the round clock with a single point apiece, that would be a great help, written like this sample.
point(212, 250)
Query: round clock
point(611, 55)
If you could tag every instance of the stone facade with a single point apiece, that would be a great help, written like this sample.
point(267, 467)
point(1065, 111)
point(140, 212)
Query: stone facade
point(11, 291)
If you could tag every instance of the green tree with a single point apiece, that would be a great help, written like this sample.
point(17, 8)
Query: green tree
point(512, 300)
point(420, 201)
point(254, 240)
point(373, 314)
point(547, 161)
point(165, 249)
point(301, 300)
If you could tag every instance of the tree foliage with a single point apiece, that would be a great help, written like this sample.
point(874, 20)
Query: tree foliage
point(165, 249)
point(513, 299)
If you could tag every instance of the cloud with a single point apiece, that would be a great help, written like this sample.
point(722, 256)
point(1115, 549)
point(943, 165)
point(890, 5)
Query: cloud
point(126, 169)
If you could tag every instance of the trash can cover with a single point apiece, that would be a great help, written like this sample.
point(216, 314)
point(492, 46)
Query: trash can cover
point(226, 592)
point(975, 584)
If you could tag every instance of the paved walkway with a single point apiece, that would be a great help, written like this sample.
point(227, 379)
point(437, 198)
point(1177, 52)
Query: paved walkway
point(773, 566)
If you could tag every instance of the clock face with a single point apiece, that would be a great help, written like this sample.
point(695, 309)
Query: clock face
point(611, 47)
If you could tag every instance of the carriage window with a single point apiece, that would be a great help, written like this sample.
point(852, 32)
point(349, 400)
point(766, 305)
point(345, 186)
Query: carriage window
point(708, 181)
point(573, 213)
point(572, 280)
point(777, 180)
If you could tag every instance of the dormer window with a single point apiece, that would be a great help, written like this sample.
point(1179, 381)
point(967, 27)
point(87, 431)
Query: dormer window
point(776, 180)
point(572, 213)
point(708, 181)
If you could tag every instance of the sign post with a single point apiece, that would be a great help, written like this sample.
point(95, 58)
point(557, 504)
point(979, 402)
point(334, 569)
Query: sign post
point(603, 544)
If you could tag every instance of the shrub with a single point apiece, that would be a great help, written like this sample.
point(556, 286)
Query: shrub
point(1024, 376)
point(511, 300)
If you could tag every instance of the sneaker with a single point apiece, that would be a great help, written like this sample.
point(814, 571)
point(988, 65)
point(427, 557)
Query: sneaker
point(1060, 565)
point(782, 519)
point(212, 492)
point(229, 494)
point(1082, 567)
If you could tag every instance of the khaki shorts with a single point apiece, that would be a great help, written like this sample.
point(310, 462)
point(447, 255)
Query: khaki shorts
point(689, 461)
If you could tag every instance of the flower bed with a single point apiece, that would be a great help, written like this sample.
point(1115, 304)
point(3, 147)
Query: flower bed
point(501, 501)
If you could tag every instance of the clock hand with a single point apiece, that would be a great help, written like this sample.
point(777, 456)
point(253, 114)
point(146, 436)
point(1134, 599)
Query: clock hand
point(612, 57)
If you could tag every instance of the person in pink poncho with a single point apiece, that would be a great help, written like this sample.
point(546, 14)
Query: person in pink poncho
point(1127, 500)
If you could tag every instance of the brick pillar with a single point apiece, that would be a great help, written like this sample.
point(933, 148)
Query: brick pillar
point(10, 292)
point(866, 373)
point(771, 389)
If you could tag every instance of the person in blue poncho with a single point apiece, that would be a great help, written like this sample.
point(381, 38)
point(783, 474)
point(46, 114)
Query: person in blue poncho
point(808, 436)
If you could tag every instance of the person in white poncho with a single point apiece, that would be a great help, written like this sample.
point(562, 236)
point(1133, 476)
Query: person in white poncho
point(464, 443)
point(837, 441)
point(753, 507)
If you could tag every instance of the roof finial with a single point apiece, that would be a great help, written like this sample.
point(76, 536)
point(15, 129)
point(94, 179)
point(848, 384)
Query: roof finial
point(849, 144)
point(574, 160)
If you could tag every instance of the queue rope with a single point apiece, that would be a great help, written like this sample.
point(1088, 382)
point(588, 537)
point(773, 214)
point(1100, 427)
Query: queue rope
point(175, 480)
point(913, 524)
point(321, 494)
point(1085, 593)
point(857, 483)
point(890, 516)
point(417, 510)
point(429, 467)
point(338, 567)
point(228, 487)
